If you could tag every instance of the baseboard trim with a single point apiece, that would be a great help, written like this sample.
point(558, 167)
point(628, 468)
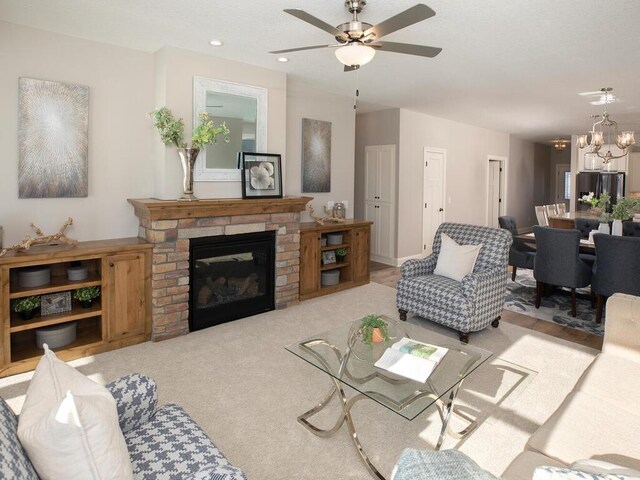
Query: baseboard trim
point(386, 260)
point(394, 262)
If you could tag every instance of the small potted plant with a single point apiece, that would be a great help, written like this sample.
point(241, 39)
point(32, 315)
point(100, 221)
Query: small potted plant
point(86, 296)
point(26, 307)
point(373, 329)
point(341, 254)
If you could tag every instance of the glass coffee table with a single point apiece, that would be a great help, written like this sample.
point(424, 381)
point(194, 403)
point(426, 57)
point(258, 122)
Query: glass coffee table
point(347, 360)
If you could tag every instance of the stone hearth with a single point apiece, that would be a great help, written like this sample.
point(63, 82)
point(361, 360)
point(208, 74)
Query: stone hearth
point(170, 224)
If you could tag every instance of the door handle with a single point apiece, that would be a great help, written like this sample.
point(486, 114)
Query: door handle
point(441, 209)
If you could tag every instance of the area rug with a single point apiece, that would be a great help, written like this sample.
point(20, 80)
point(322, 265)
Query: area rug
point(246, 391)
point(556, 308)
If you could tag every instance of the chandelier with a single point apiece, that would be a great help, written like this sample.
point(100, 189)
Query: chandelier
point(622, 140)
point(559, 144)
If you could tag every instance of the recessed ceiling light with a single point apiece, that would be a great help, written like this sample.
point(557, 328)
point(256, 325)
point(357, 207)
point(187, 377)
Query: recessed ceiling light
point(283, 59)
point(216, 43)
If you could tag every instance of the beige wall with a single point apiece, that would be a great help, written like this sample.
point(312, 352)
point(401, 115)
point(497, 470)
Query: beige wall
point(306, 102)
point(120, 135)
point(468, 150)
point(373, 128)
point(174, 72)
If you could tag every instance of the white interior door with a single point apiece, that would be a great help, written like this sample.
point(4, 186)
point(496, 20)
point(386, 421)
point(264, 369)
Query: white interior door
point(563, 183)
point(371, 169)
point(493, 193)
point(385, 231)
point(386, 173)
point(371, 215)
point(433, 195)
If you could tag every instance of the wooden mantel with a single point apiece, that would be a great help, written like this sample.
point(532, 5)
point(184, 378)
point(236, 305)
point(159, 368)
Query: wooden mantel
point(153, 209)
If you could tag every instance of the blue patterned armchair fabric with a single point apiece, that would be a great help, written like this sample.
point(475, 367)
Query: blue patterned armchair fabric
point(441, 465)
point(467, 306)
point(163, 444)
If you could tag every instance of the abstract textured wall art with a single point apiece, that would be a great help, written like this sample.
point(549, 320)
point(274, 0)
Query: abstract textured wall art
point(53, 131)
point(316, 156)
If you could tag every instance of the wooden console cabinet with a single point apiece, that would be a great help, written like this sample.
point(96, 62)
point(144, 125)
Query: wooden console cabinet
point(354, 270)
point(121, 316)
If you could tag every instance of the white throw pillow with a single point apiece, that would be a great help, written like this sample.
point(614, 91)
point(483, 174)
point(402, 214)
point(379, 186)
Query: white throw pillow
point(69, 426)
point(456, 261)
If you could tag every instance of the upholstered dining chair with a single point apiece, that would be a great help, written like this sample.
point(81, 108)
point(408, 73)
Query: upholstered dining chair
point(521, 255)
point(561, 208)
point(586, 225)
point(617, 268)
point(469, 305)
point(541, 216)
point(558, 262)
point(631, 229)
point(550, 210)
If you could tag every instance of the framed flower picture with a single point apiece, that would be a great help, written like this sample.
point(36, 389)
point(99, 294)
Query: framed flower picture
point(261, 175)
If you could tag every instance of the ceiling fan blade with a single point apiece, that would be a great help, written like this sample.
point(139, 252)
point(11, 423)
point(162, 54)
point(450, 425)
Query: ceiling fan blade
point(413, 15)
point(316, 22)
point(300, 48)
point(351, 68)
point(409, 49)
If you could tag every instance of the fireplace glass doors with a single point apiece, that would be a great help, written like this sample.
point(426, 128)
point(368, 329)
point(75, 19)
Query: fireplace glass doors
point(232, 276)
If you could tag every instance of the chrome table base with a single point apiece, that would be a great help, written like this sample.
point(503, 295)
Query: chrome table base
point(445, 409)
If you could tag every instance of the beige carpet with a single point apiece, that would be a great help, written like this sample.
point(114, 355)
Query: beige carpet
point(246, 390)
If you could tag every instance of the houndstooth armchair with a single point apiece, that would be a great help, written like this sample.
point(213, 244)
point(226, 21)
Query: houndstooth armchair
point(466, 306)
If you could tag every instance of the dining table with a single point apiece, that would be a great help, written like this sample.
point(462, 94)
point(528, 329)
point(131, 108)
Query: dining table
point(586, 246)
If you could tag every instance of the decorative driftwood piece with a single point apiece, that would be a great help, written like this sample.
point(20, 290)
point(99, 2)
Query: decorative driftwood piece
point(41, 238)
point(322, 220)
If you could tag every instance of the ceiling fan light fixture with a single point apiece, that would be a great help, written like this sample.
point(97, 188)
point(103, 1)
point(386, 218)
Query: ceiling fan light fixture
point(355, 54)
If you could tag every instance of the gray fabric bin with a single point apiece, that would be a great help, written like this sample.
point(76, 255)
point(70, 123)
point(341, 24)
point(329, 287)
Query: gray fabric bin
point(330, 277)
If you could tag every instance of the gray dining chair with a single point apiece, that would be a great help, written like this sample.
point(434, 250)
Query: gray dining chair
point(586, 225)
point(631, 229)
point(521, 255)
point(617, 268)
point(558, 262)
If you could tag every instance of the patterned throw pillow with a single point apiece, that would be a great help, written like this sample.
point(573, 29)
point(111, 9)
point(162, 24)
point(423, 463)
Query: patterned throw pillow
point(555, 473)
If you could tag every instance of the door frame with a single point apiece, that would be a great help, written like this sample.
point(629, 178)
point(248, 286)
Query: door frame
point(443, 151)
point(503, 185)
point(563, 166)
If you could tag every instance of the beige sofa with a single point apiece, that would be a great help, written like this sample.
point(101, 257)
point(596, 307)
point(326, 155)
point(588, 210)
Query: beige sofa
point(600, 418)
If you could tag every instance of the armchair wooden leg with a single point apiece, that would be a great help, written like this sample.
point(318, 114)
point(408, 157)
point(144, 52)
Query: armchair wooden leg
point(403, 315)
point(464, 337)
point(599, 303)
point(593, 299)
point(574, 312)
point(496, 322)
point(539, 288)
point(513, 273)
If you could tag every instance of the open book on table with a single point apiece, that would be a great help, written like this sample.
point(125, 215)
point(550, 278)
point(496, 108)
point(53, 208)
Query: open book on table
point(411, 359)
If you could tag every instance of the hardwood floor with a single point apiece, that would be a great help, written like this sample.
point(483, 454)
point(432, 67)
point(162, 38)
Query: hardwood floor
point(388, 275)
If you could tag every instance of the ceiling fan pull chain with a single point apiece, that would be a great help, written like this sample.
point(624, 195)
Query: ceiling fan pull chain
point(357, 92)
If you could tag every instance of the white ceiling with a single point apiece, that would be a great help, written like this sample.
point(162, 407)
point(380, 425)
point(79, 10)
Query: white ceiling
point(512, 65)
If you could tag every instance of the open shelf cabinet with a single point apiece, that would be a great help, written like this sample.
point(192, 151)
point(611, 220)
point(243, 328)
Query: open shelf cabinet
point(122, 270)
point(354, 268)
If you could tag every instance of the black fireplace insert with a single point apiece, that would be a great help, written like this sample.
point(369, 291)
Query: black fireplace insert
point(231, 277)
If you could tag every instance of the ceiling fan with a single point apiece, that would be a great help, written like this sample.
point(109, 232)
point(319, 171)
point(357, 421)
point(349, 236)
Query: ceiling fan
point(358, 41)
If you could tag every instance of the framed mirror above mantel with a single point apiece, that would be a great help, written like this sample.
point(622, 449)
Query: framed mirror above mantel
point(244, 110)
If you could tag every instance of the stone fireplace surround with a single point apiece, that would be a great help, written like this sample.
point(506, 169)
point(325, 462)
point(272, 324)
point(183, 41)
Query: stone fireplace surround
point(170, 224)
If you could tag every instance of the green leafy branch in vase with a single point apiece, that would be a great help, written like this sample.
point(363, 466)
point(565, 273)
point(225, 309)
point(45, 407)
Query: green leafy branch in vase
point(171, 129)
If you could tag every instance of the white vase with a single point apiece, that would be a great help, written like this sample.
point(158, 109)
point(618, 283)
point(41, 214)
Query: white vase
point(604, 228)
point(616, 229)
